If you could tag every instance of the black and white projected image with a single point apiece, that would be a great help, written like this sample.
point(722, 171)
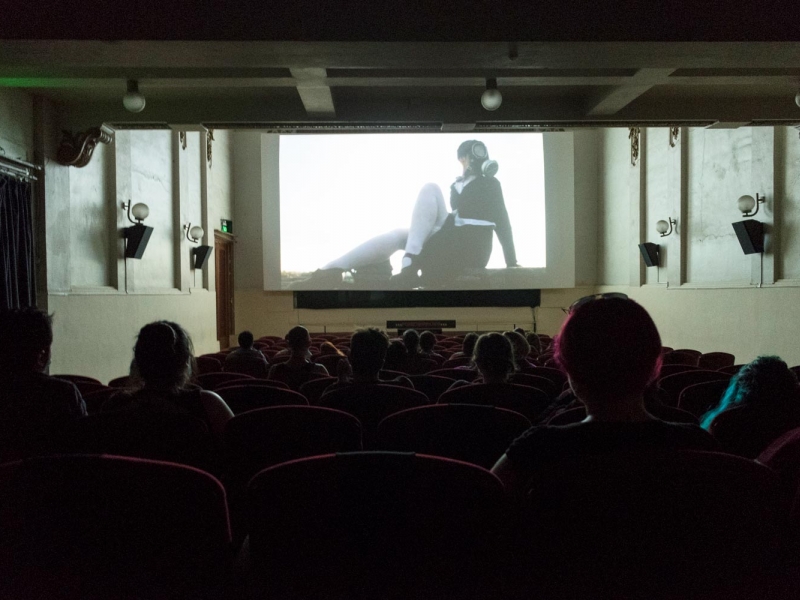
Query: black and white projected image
point(411, 211)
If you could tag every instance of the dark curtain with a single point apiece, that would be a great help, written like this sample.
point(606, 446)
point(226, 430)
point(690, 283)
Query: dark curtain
point(17, 276)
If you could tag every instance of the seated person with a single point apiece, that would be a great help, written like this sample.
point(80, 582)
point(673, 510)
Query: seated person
point(467, 346)
point(162, 366)
point(761, 403)
point(246, 359)
point(426, 343)
point(33, 405)
point(521, 350)
point(535, 343)
point(368, 350)
point(494, 360)
point(396, 358)
point(417, 364)
point(611, 350)
point(298, 369)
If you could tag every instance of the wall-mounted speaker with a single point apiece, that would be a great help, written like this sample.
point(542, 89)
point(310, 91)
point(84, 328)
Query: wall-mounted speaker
point(200, 255)
point(136, 238)
point(751, 235)
point(649, 254)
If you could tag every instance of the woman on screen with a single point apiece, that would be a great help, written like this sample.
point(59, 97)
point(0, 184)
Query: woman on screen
point(438, 244)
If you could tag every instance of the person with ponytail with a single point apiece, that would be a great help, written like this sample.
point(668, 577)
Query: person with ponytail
point(163, 363)
point(438, 245)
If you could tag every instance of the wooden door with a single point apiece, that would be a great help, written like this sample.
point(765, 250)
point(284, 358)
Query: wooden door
point(223, 261)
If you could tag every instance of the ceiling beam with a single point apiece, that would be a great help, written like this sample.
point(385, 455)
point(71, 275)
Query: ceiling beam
point(612, 101)
point(316, 96)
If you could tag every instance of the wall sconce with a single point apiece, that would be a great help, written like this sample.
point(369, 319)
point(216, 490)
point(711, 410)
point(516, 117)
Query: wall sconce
point(747, 203)
point(665, 228)
point(201, 253)
point(193, 234)
point(138, 235)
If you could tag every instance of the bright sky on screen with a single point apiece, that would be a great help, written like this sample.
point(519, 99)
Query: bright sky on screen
point(337, 191)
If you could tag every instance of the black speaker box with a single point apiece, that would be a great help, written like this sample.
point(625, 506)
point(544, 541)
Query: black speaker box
point(649, 254)
point(137, 238)
point(751, 235)
point(201, 254)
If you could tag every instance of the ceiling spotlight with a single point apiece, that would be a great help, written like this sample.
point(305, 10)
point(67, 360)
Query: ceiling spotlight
point(491, 98)
point(133, 101)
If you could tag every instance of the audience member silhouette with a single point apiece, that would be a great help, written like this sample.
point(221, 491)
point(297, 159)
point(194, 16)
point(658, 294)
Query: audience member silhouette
point(427, 341)
point(761, 403)
point(33, 406)
point(396, 356)
point(611, 350)
point(162, 366)
point(467, 346)
point(521, 350)
point(298, 369)
point(368, 351)
point(246, 359)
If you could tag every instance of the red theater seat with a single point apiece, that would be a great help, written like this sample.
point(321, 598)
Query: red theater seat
point(314, 389)
point(242, 398)
point(79, 527)
point(673, 385)
point(211, 381)
point(455, 374)
point(527, 401)
point(208, 364)
point(699, 398)
point(375, 525)
point(715, 360)
point(432, 386)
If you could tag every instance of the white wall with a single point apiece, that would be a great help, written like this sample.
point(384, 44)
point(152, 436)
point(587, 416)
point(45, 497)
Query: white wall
point(707, 294)
point(99, 303)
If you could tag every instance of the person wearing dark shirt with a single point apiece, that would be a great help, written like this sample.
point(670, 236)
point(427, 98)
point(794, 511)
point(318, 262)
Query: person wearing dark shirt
point(34, 407)
point(427, 341)
point(246, 359)
point(298, 369)
point(368, 349)
point(611, 350)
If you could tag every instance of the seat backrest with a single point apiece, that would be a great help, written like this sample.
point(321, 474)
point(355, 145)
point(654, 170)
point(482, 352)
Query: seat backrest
point(542, 383)
point(253, 383)
point(474, 434)
point(208, 364)
point(375, 524)
point(699, 398)
point(527, 401)
point(455, 374)
point(95, 400)
point(451, 363)
point(265, 437)
point(241, 398)
point(432, 386)
point(783, 457)
point(567, 417)
point(557, 376)
point(108, 527)
point(674, 384)
point(748, 430)
point(76, 379)
point(371, 403)
point(147, 434)
point(687, 524)
point(314, 389)
point(121, 382)
point(667, 370)
point(681, 357)
point(329, 361)
point(211, 381)
point(732, 370)
point(715, 360)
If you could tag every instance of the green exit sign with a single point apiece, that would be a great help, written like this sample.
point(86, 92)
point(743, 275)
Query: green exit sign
point(227, 226)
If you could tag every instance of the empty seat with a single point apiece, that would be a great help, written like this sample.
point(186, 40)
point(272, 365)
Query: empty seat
point(557, 376)
point(211, 381)
point(474, 434)
point(95, 400)
point(683, 525)
point(241, 398)
point(144, 434)
point(542, 383)
point(76, 379)
point(699, 398)
point(208, 364)
point(253, 383)
point(121, 382)
point(673, 385)
point(528, 401)
point(732, 370)
point(713, 361)
point(370, 403)
point(432, 386)
point(375, 525)
point(667, 370)
point(79, 527)
point(748, 429)
point(452, 363)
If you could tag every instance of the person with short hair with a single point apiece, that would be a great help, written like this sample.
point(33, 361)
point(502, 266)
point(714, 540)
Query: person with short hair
point(368, 352)
point(163, 362)
point(611, 350)
point(427, 341)
point(521, 350)
point(467, 346)
point(298, 369)
point(246, 359)
point(34, 407)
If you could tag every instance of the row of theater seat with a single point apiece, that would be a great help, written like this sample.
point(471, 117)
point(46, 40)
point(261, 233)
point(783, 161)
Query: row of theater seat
point(397, 525)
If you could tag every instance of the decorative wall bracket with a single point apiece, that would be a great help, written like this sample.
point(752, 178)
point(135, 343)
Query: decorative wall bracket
point(209, 141)
point(76, 150)
point(633, 136)
point(674, 132)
